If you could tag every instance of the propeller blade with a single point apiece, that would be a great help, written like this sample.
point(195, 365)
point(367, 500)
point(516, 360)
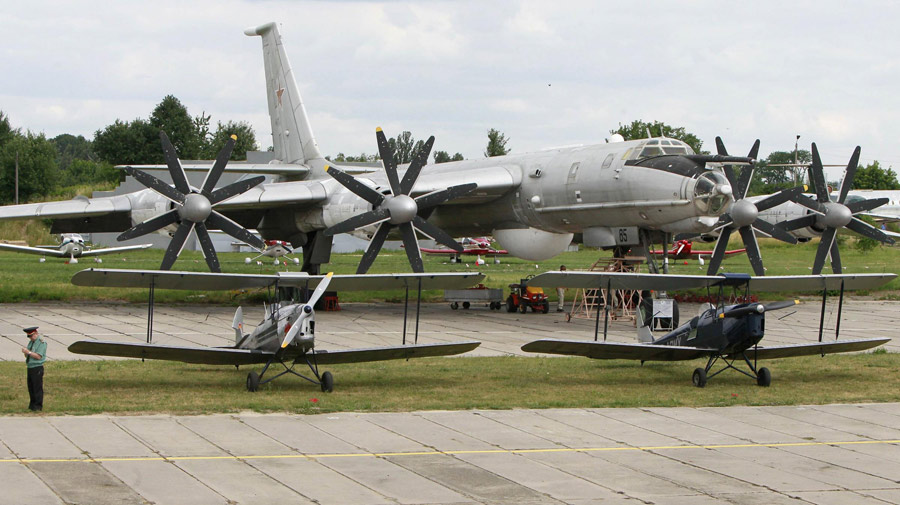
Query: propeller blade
point(754, 150)
point(412, 248)
point(720, 147)
point(774, 231)
point(234, 189)
point(800, 222)
point(176, 244)
point(747, 173)
point(866, 205)
point(209, 250)
point(719, 253)
point(437, 234)
point(359, 189)
point(817, 176)
point(218, 221)
point(295, 329)
point(757, 308)
point(175, 170)
point(823, 250)
point(155, 184)
point(849, 174)
point(150, 225)
point(415, 167)
point(809, 203)
point(374, 246)
point(320, 289)
point(356, 222)
point(835, 258)
point(752, 250)
point(387, 158)
point(781, 305)
point(778, 198)
point(212, 177)
point(438, 197)
point(728, 169)
point(867, 230)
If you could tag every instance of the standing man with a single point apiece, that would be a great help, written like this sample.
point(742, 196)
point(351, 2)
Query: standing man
point(561, 294)
point(35, 355)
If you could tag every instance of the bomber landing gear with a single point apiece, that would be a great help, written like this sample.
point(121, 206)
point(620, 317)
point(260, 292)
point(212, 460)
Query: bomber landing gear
point(701, 375)
point(325, 380)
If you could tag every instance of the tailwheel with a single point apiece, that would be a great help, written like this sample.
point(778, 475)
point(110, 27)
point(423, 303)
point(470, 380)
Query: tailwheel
point(699, 377)
point(764, 377)
point(327, 382)
point(253, 382)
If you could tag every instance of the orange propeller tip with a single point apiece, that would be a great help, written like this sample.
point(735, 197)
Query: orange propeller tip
point(234, 137)
point(378, 129)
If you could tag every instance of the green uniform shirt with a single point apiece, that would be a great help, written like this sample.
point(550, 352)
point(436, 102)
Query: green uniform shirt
point(40, 347)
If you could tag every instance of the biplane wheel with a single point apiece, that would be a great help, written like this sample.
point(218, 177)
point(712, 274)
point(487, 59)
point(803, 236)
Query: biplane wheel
point(454, 305)
point(327, 382)
point(699, 377)
point(763, 377)
point(252, 382)
point(466, 305)
point(510, 304)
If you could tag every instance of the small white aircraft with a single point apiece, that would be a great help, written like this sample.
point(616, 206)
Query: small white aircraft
point(71, 245)
point(275, 249)
point(287, 334)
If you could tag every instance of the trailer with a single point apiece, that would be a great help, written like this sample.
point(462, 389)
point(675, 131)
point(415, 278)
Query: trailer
point(492, 298)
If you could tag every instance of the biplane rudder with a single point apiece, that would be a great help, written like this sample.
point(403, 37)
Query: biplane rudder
point(238, 324)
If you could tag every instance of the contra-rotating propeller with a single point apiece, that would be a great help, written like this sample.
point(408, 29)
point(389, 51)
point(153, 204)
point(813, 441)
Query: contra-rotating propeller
point(397, 209)
point(743, 215)
point(830, 216)
point(193, 208)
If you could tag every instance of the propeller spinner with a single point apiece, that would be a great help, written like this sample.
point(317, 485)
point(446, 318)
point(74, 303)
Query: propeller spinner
point(193, 208)
point(743, 215)
point(397, 209)
point(831, 216)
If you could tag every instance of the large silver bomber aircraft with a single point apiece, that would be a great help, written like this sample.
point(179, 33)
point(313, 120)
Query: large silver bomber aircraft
point(614, 194)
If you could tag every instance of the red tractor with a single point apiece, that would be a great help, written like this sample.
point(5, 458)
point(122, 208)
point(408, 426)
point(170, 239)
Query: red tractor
point(523, 296)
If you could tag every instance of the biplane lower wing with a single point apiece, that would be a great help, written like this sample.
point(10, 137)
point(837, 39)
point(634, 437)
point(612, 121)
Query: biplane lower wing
point(231, 356)
point(200, 355)
point(615, 350)
point(816, 348)
point(390, 353)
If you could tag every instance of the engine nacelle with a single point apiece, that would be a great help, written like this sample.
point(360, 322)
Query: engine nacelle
point(532, 244)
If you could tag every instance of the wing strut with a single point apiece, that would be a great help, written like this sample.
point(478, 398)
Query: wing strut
point(822, 315)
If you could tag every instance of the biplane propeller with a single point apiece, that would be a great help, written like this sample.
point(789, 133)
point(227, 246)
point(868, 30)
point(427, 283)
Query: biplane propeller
point(193, 208)
point(397, 208)
point(829, 216)
point(727, 333)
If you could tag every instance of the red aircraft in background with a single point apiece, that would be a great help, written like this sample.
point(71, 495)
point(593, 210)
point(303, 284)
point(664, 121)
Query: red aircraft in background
point(479, 246)
point(683, 249)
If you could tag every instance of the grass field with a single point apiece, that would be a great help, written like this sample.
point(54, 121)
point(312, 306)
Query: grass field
point(133, 387)
point(23, 278)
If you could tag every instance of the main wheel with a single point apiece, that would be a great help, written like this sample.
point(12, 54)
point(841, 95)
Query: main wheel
point(327, 382)
point(454, 305)
point(466, 305)
point(699, 377)
point(523, 308)
point(763, 377)
point(510, 304)
point(252, 382)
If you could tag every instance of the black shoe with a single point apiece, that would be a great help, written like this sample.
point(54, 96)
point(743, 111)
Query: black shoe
point(559, 310)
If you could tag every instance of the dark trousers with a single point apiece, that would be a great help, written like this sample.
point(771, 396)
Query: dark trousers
point(36, 388)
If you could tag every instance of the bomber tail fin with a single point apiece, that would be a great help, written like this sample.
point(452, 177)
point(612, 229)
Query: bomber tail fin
point(238, 325)
point(292, 137)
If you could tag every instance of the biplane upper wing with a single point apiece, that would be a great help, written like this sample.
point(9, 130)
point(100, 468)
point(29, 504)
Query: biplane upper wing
point(171, 279)
point(201, 355)
point(391, 353)
point(816, 348)
point(631, 281)
point(615, 350)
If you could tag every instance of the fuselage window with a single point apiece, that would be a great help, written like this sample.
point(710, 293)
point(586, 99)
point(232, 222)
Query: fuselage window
point(608, 161)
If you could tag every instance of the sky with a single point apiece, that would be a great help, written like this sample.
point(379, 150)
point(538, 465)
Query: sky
point(546, 74)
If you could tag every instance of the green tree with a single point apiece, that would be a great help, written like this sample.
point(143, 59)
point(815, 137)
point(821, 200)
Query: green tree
point(70, 148)
point(769, 179)
point(403, 147)
point(7, 132)
point(172, 117)
point(134, 143)
point(246, 140)
point(37, 167)
point(496, 145)
point(638, 130)
point(873, 176)
point(444, 157)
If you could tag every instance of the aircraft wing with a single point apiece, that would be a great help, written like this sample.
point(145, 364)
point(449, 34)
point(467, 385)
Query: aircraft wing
point(79, 207)
point(389, 353)
point(619, 280)
point(615, 350)
point(832, 347)
point(201, 355)
point(34, 250)
point(293, 170)
point(110, 250)
point(173, 279)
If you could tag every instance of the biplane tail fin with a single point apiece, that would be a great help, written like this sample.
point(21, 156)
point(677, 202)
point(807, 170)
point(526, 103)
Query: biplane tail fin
point(644, 332)
point(238, 325)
